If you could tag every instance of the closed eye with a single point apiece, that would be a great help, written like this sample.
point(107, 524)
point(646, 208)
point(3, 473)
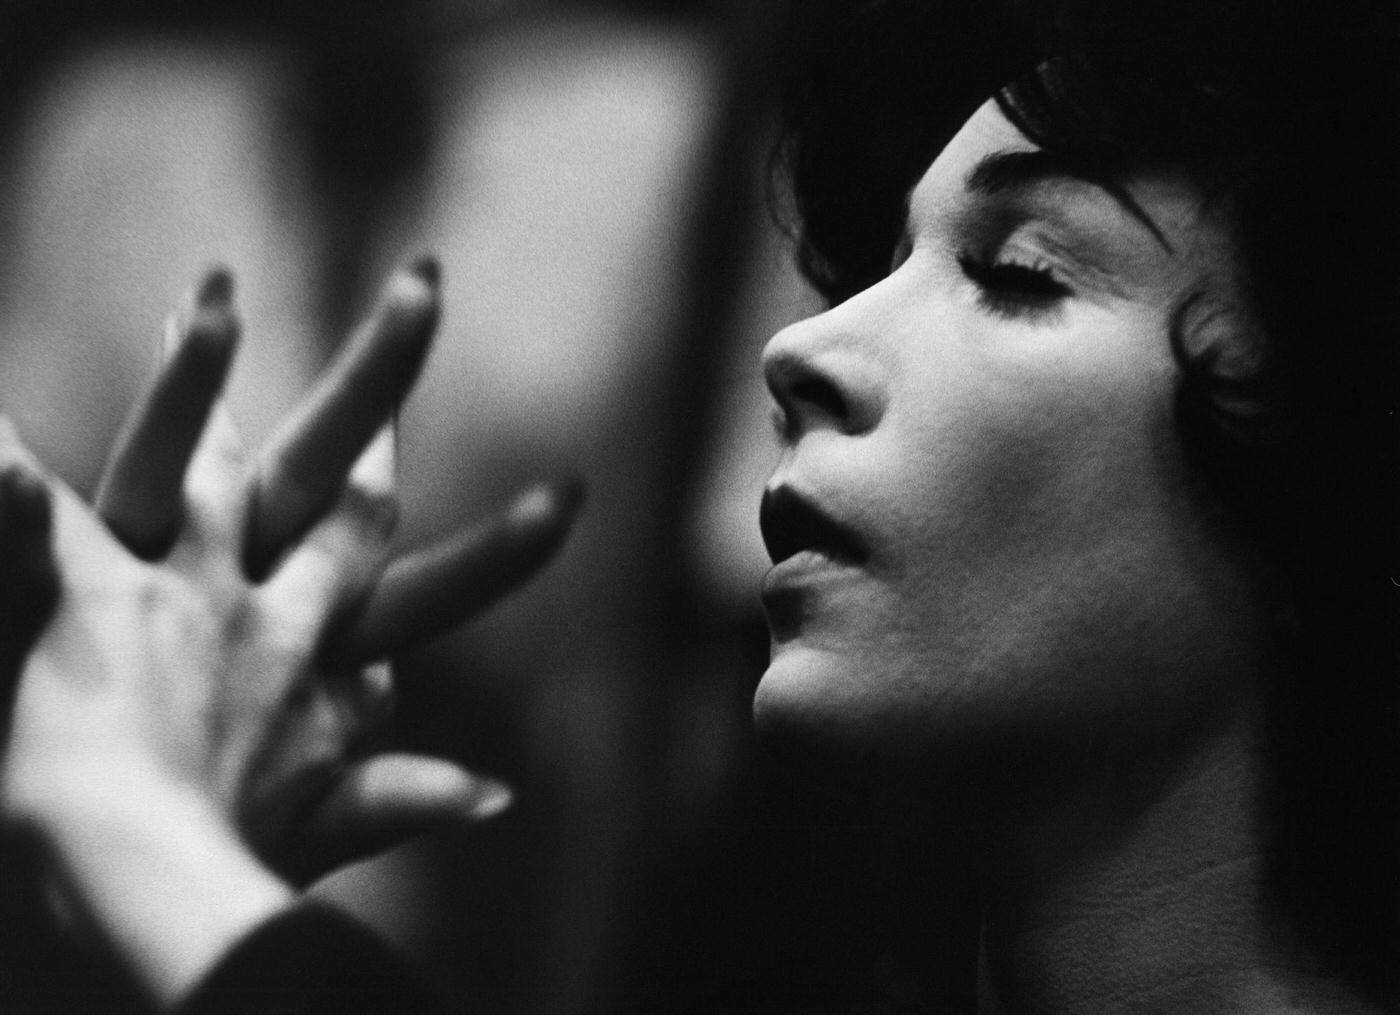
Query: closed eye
point(1014, 289)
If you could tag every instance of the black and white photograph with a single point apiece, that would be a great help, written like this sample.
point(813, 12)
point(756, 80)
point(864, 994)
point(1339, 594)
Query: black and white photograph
point(708, 507)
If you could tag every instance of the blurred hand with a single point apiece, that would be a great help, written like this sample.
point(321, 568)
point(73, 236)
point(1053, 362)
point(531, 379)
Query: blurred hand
point(300, 471)
point(28, 582)
point(217, 631)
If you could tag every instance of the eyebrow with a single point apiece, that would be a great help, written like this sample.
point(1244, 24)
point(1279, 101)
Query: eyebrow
point(1010, 170)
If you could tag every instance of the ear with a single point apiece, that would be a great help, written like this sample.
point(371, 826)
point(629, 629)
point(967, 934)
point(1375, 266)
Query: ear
point(1230, 405)
point(1227, 380)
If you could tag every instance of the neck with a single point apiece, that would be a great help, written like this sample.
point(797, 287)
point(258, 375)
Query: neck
point(1147, 899)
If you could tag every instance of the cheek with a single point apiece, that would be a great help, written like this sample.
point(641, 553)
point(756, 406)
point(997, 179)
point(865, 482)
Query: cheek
point(1041, 562)
point(1081, 571)
point(1000, 465)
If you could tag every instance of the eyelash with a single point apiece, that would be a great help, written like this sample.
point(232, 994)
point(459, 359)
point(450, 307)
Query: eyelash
point(1012, 289)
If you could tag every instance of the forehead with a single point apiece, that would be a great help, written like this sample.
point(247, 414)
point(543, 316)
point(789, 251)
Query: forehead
point(986, 131)
point(1188, 226)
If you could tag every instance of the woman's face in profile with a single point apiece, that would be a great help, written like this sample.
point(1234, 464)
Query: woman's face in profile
point(981, 521)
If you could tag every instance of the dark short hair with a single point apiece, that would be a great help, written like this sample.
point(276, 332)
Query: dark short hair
point(1287, 113)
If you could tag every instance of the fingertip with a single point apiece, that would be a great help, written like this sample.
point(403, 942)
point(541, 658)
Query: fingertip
point(492, 798)
point(428, 269)
point(215, 288)
point(24, 500)
point(455, 791)
point(553, 503)
point(205, 333)
point(410, 787)
point(413, 291)
point(14, 455)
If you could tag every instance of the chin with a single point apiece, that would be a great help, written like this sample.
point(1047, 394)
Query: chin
point(842, 729)
point(853, 710)
point(803, 727)
point(782, 699)
point(822, 703)
point(801, 695)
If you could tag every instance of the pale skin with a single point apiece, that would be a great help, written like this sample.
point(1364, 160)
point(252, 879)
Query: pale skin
point(1042, 601)
point(1034, 608)
point(194, 728)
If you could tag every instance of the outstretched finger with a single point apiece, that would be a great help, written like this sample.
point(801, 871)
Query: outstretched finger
point(331, 571)
point(387, 800)
point(429, 592)
point(215, 480)
point(140, 495)
point(304, 466)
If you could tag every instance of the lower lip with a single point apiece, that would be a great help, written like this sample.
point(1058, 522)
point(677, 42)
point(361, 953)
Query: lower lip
point(803, 567)
point(789, 585)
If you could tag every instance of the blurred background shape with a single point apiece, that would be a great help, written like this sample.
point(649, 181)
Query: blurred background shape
point(592, 176)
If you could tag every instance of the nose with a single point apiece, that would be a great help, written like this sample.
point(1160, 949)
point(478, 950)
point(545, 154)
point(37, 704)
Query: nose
point(821, 378)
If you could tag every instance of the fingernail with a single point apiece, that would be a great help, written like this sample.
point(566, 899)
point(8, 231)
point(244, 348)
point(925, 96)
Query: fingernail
point(532, 505)
point(414, 287)
point(494, 798)
point(428, 269)
point(559, 498)
point(215, 289)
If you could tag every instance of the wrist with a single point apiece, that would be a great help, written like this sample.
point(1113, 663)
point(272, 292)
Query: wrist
point(155, 866)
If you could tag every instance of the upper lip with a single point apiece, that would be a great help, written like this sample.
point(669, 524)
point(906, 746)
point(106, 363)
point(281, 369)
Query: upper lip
point(791, 523)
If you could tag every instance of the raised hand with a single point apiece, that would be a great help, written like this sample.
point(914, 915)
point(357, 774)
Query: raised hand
point(298, 472)
point(152, 493)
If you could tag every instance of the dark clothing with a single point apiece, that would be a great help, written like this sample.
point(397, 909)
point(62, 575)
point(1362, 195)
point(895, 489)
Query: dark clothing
point(309, 961)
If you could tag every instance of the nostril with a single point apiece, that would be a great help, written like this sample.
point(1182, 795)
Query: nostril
point(824, 377)
point(818, 394)
point(824, 393)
